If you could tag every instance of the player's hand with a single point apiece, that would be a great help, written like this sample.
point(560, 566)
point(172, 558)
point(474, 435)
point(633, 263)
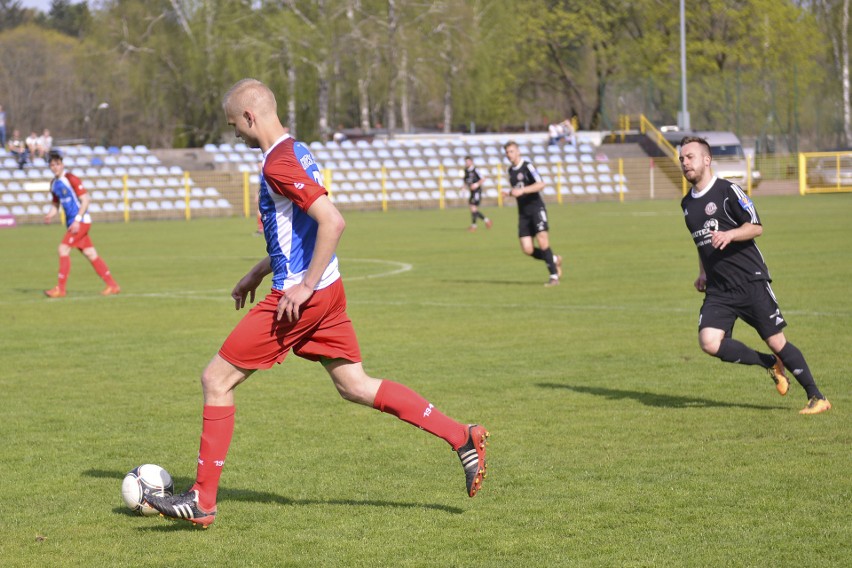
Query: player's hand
point(291, 302)
point(75, 227)
point(519, 191)
point(720, 239)
point(245, 287)
point(701, 283)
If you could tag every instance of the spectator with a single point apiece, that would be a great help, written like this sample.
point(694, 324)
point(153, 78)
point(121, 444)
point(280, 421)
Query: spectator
point(44, 144)
point(339, 136)
point(32, 145)
point(17, 148)
point(567, 131)
point(2, 127)
point(553, 134)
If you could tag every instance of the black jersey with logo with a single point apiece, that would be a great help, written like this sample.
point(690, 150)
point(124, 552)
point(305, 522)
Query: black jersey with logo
point(522, 176)
point(722, 207)
point(471, 176)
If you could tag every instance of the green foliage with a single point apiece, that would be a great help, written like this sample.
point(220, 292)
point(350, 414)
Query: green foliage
point(615, 441)
point(755, 66)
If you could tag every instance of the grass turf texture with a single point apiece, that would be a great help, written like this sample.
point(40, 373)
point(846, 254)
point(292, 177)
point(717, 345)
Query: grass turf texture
point(615, 441)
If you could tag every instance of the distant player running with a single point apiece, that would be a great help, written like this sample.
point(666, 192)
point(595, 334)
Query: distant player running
point(473, 182)
point(68, 192)
point(734, 278)
point(304, 312)
point(526, 186)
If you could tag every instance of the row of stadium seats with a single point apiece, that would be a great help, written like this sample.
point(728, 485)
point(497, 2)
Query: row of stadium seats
point(86, 150)
point(178, 206)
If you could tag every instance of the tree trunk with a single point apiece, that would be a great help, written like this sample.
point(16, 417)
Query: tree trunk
point(392, 84)
point(322, 100)
point(403, 93)
point(847, 106)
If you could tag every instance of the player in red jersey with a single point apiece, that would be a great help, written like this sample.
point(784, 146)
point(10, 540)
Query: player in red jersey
point(68, 192)
point(304, 312)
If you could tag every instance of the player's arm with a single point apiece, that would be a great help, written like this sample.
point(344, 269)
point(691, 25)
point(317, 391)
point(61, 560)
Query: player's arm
point(534, 188)
point(330, 226)
point(249, 283)
point(745, 232)
point(480, 182)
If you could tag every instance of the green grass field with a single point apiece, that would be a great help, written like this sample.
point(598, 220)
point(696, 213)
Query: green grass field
point(614, 440)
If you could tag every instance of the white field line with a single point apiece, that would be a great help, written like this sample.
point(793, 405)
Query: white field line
point(223, 295)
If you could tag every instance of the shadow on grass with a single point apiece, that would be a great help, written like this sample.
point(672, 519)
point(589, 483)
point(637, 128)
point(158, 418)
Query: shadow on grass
point(658, 400)
point(266, 497)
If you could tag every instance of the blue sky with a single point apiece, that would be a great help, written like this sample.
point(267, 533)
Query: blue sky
point(43, 5)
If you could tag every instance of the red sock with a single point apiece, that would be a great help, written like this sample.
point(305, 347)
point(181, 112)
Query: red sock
point(216, 435)
point(64, 269)
point(101, 268)
point(405, 404)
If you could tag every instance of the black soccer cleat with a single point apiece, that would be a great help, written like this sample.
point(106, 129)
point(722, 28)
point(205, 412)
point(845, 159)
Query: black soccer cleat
point(183, 506)
point(472, 456)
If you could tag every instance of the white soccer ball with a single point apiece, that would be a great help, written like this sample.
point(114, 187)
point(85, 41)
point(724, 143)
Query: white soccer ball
point(145, 480)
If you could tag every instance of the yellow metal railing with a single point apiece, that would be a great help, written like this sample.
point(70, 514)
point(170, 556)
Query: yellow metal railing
point(816, 183)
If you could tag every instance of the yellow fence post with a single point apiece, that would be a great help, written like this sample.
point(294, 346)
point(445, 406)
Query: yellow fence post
point(803, 178)
point(187, 212)
point(126, 198)
point(246, 194)
point(499, 187)
point(384, 189)
point(621, 180)
point(559, 183)
point(327, 181)
point(442, 199)
point(748, 175)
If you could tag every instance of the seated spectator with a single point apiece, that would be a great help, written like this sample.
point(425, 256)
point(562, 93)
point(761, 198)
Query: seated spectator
point(553, 134)
point(339, 136)
point(32, 144)
point(561, 133)
point(567, 131)
point(18, 148)
point(44, 144)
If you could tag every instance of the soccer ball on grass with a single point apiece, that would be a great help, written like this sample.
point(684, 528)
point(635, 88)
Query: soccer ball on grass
point(145, 480)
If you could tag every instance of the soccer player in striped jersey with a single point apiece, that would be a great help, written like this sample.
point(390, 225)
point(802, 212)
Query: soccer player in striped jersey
point(68, 192)
point(304, 312)
point(734, 278)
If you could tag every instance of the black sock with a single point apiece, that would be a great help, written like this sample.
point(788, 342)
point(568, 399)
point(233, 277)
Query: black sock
point(479, 215)
point(473, 218)
point(547, 257)
point(733, 351)
point(796, 364)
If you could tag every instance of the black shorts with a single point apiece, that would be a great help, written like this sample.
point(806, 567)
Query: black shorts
point(531, 223)
point(475, 197)
point(754, 303)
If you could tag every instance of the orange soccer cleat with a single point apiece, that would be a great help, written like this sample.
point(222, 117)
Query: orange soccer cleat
point(55, 292)
point(816, 405)
point(111, 290)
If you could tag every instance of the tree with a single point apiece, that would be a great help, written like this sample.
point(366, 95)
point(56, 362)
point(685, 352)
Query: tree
point(834, 17)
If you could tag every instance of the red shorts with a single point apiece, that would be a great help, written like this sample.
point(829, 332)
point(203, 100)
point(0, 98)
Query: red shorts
point(322, 330)
point(80, 239)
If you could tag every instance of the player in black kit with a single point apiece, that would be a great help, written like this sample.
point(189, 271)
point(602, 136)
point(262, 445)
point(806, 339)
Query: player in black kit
point(526, 186)
point(733, 276)
point(473, 182)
